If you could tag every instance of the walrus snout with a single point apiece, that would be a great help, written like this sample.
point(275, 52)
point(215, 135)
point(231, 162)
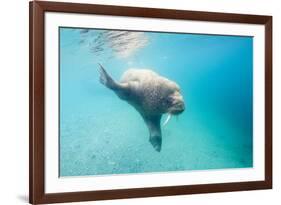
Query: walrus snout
point(178, 105)
point(178, 109)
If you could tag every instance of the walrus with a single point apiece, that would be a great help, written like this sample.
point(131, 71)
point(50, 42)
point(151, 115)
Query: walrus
point(150, 94)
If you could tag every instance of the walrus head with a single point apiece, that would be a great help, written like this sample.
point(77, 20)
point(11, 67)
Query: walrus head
point(175, 103)
point(151, 94)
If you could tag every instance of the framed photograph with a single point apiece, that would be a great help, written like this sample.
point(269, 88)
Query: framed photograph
point(138, 102)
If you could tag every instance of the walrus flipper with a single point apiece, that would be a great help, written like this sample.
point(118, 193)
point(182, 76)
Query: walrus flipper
point(121, 89)
point(106, 80)
point(155, 135)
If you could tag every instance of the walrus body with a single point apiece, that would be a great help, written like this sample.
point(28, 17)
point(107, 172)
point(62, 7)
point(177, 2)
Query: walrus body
point(150, 94)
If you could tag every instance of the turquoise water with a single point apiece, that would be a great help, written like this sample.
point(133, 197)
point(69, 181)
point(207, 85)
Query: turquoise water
point(101, 134)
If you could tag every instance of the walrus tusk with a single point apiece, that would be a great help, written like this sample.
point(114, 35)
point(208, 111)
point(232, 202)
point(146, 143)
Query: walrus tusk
point(167, 119)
